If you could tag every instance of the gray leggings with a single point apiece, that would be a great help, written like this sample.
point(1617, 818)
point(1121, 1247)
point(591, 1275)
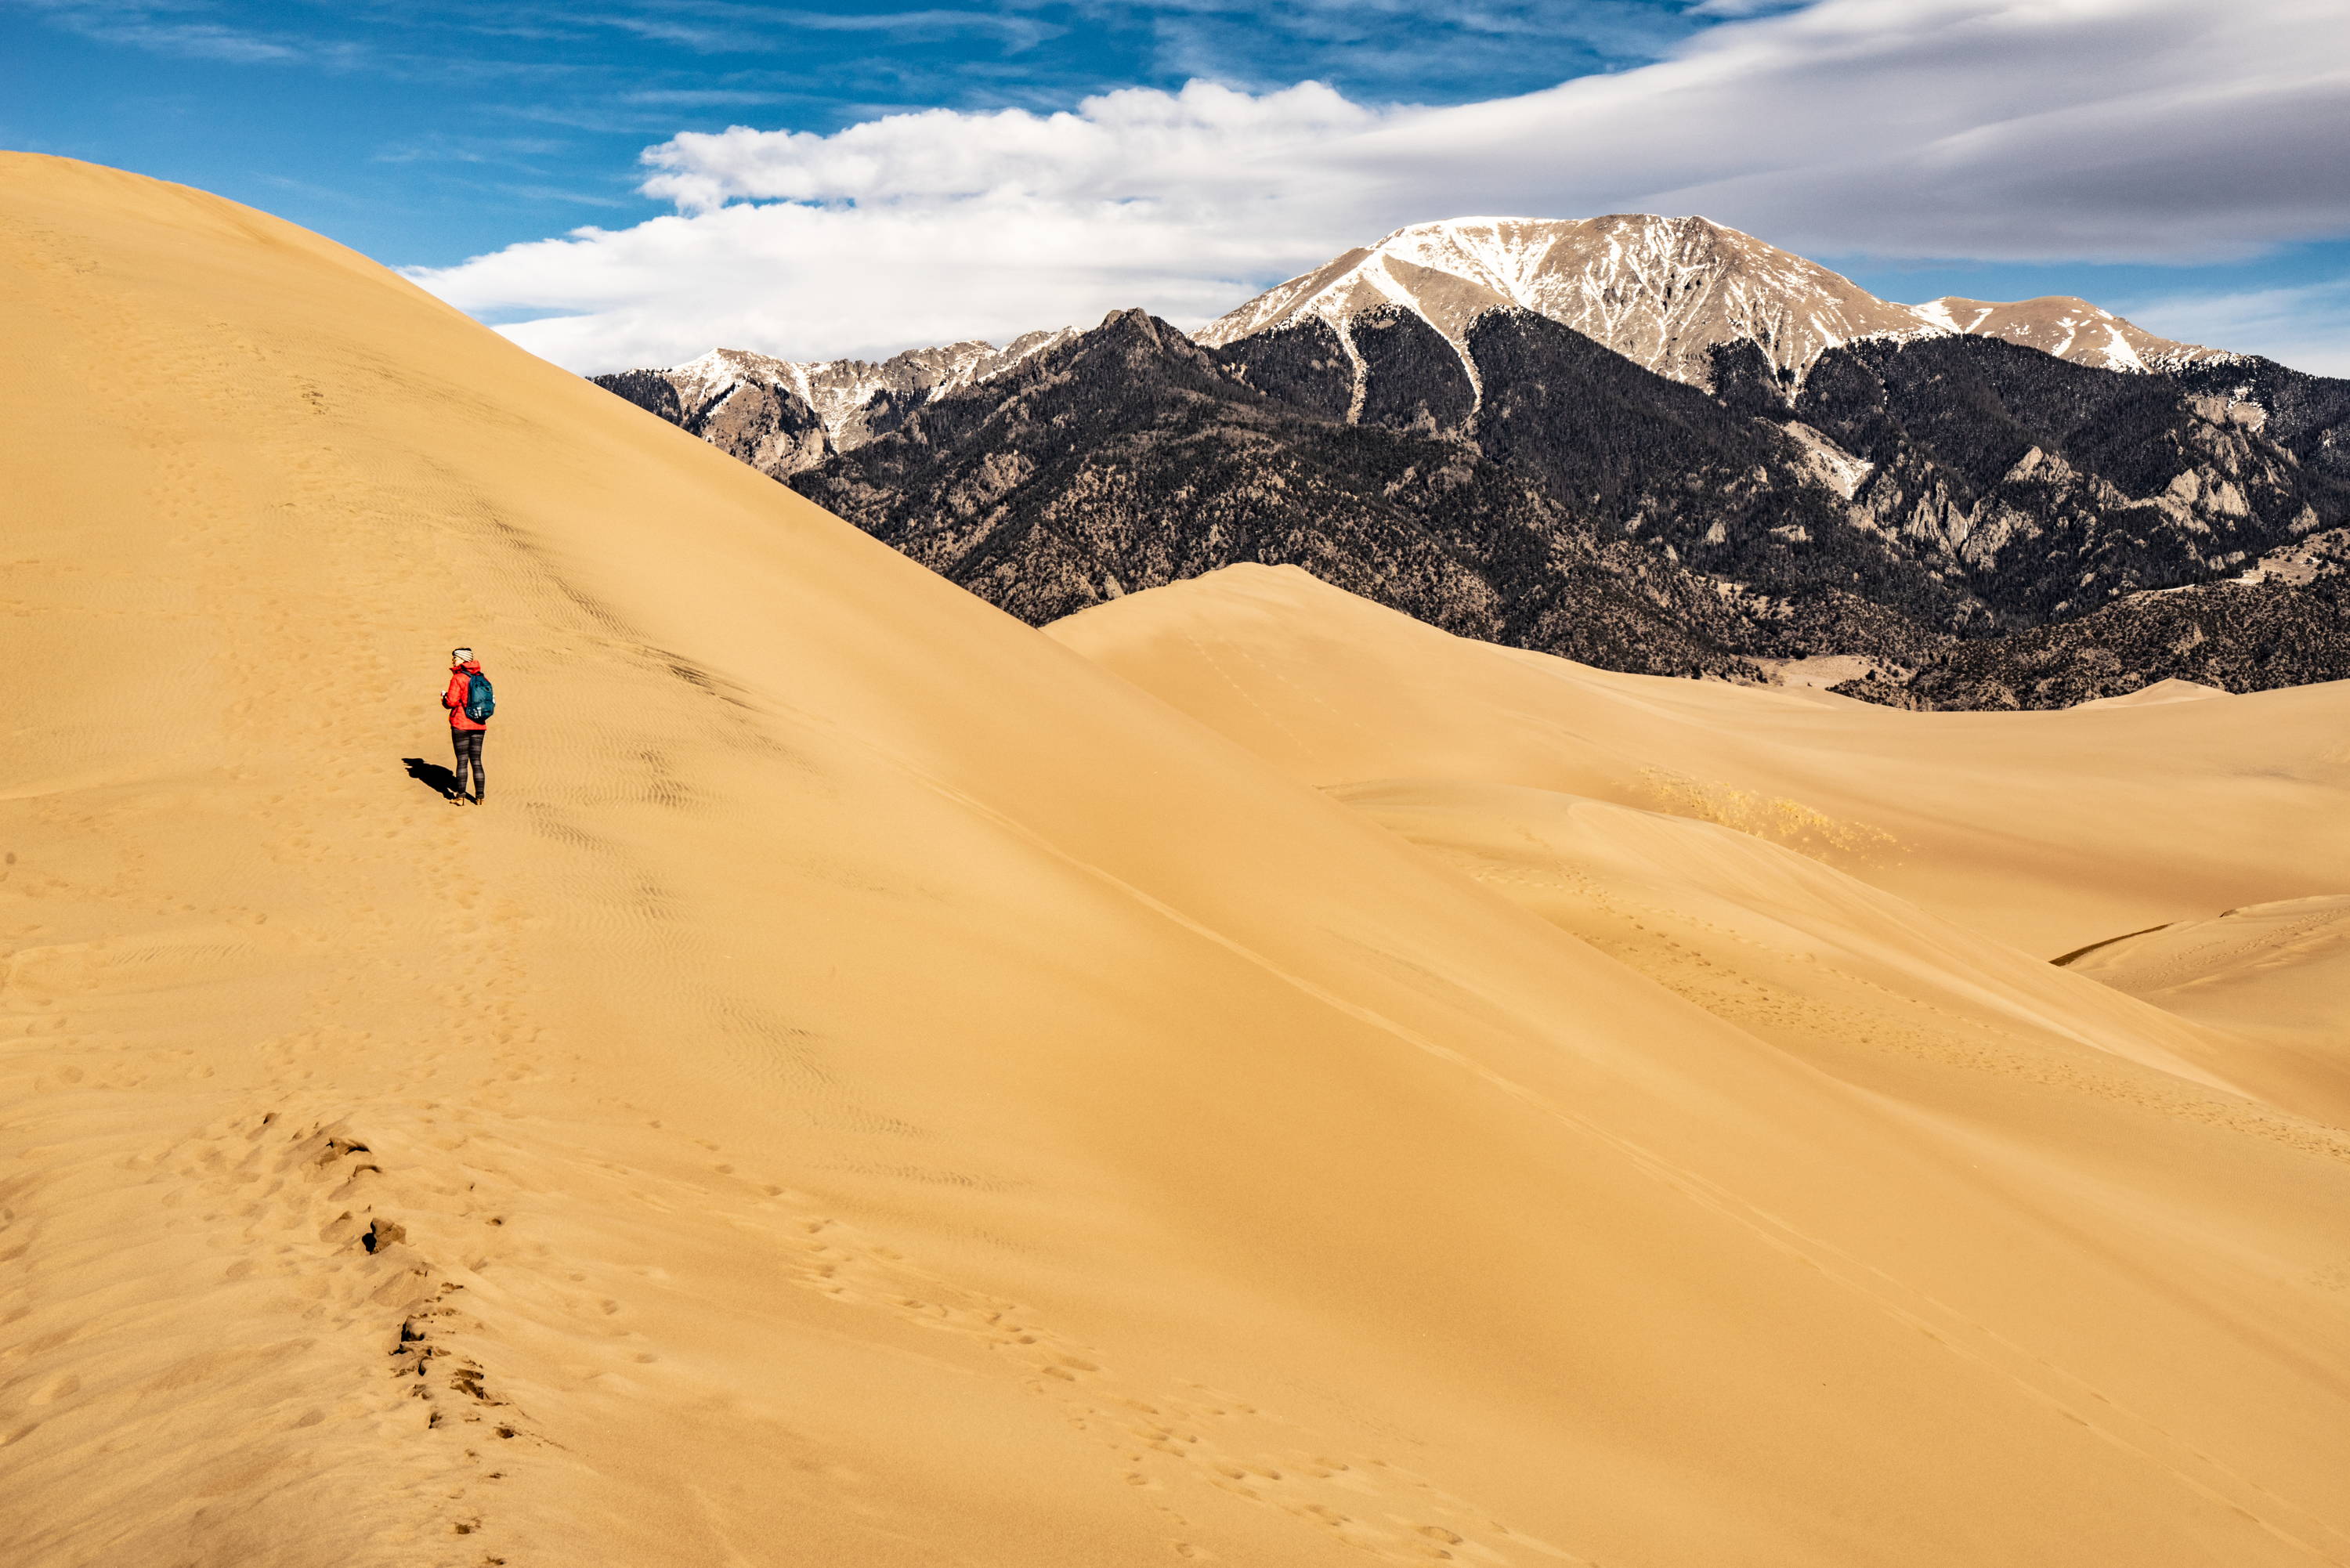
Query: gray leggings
point(469, 751)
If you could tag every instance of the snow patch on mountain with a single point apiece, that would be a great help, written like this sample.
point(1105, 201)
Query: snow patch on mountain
point(2068, 327)
point(1660, 291)
point(1664, 292)
point(840, 393)
point(783, 416)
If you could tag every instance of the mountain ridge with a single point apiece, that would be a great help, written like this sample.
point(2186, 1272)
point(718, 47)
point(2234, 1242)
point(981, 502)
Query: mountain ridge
point(1663, 292)
point(781, 416)
point(1840, 481)
point(1130, 456)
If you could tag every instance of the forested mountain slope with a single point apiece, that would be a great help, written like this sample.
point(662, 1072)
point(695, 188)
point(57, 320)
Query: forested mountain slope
point(1917, 499)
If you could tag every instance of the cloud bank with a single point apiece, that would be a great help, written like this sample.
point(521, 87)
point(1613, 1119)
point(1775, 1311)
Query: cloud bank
point(2144, 131)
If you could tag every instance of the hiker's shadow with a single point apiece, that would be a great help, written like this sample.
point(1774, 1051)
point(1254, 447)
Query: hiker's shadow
point(432, 775)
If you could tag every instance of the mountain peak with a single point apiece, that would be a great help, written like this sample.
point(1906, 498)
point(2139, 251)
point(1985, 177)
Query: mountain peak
point(2069, 328)
point(1543, 230)
point(834, 398)
point(1663, 292)
point(1659, 290)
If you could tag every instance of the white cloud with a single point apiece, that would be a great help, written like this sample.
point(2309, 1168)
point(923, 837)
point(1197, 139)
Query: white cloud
point(819, 282)
point(931, 227)
point(1988, 130)
point(1206, 143)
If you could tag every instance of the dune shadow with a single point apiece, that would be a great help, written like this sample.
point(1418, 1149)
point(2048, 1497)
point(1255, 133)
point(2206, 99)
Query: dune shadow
point(433, 775)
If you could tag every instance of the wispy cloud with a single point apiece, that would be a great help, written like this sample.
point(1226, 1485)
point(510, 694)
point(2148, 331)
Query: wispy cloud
point(202, 41)
point(560, 195)
point(1014, 31)
point(686, 32)
point(1411, 50)
point(310, 189)
point(728, 27)
point(704, 97)
point(183, 29)
point(2307, 326)
point(360, 36)
point(447, 149)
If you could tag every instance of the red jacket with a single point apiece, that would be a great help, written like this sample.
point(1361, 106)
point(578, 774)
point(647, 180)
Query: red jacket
point(460, 682)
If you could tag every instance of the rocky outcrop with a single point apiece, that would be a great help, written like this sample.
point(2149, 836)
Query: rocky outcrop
point(728, 401)
point(1970, 485)
point(1130, 457)
point(2308, 416)
point(1651, 460)
point(2236, 636)
point(2051, 489)
point(783, 416)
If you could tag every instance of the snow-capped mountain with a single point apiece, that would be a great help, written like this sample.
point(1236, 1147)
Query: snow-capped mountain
point(2067, 328)
point(1669, 294)
point(1651, 444)
point(1907, 498)
point(1662, 292)
point(785, 416)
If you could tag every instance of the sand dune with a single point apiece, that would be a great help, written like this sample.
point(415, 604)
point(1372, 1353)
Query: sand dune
point(1799, 953)
point(2046, 830)
point(2173, 690)
point(874, 1086)
point(2275, 976)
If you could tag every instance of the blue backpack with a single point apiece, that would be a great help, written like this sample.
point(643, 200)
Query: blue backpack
point(480, 700)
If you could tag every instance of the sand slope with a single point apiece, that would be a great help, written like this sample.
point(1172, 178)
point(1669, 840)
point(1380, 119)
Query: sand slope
point(1800, 954)
point(2047, 830)
point(875, 1087)
point(2173, 690)
point(2273, 976)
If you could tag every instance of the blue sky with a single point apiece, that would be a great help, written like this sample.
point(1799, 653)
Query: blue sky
point(2180, 160)
point(426, 133)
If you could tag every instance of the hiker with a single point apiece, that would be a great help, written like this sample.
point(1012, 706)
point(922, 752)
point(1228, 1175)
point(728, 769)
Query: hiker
point(470, 705)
